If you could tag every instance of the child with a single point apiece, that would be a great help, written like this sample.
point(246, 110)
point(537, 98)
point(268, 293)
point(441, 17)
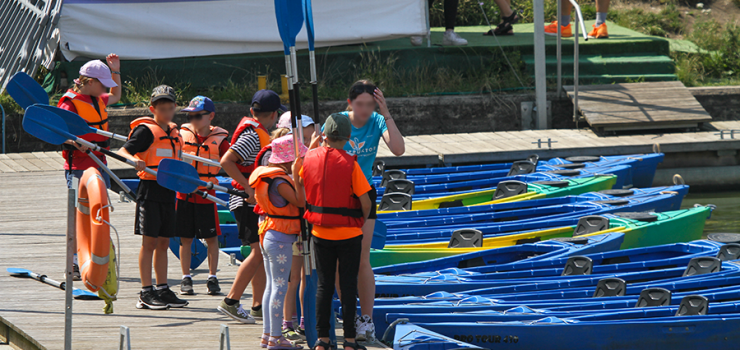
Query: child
point(309, 127)
point(88, 99)
point(150, 141)
point(280, 199)
point(338, 205)
point(247, 141)
point(198, 217)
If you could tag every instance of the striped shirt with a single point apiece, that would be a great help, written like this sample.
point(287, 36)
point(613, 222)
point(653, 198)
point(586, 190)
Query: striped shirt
point(247, 146)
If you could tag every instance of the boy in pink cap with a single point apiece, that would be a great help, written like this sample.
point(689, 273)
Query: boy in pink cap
point(88, 99)
point(279, 197)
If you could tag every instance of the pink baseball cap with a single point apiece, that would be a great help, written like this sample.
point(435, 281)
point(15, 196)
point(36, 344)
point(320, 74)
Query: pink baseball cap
point(283, 150)
point(286, 123)
point(98, 70)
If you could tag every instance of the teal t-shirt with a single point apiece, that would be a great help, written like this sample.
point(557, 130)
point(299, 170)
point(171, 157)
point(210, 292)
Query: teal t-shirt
point(364, 142)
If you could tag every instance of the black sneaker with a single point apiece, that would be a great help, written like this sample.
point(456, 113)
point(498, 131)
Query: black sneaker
point(151, 300)
point(76, 272)
point(213, 288)
point(186, 286)
point(169, 297)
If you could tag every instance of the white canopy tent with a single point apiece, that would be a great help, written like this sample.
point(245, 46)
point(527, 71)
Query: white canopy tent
point(154, 29)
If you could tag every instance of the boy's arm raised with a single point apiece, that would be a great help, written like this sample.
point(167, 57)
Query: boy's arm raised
point(228, 163)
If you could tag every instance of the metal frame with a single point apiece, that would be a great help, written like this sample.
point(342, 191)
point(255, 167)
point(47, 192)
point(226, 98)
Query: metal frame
point(540, 81)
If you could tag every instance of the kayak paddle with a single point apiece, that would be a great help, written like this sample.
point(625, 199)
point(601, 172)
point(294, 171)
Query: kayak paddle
point(183, 177)
point(308, 13)
point(26, 91)
point(77, 293)
point(49, 127)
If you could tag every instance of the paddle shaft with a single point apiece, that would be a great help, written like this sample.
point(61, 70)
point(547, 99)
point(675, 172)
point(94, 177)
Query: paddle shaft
point(121, 158)
point(113, 176)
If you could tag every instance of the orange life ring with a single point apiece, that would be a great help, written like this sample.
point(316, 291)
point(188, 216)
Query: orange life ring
point(93, 234)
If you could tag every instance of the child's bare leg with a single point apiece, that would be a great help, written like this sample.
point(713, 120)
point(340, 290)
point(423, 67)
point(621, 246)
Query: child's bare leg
point(251, 265)
point(185, 254)
point(213, 252)
point(366, 277)
point(160, 260)
point(290, 295)
point(148, 244)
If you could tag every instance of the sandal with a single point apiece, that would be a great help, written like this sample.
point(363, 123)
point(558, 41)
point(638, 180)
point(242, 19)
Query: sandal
point(265, 340)
point(326, 346)
point(354, 346)
point(282, 344)
point(505, 27)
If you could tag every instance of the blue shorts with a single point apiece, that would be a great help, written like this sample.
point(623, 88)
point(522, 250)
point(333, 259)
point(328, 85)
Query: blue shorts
point(78, 174)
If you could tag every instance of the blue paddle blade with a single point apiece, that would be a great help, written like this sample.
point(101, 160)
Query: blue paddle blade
point(26, 91)
point(308, 14)
point(309, 307)
point(379, 235)
point(178, 176)
point(84, 294)
point(46, 126)
point(198, 251)
point(14, 271)
point(282, 24)
point(75, 124)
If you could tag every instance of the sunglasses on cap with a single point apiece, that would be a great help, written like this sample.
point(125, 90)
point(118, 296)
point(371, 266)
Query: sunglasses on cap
point(198, 116)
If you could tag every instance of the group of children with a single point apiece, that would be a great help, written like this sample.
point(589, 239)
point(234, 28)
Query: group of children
point(332, 185)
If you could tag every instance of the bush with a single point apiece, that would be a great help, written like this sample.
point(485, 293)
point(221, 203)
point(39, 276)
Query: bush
point(667, 21)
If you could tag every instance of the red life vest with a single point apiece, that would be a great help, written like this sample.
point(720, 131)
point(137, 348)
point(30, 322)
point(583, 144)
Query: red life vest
point(261, 155)
point(327, 176)
point(264, 136)
point(88, 112)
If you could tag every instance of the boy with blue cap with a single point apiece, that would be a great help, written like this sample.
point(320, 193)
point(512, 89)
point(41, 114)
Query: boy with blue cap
point(197, 217)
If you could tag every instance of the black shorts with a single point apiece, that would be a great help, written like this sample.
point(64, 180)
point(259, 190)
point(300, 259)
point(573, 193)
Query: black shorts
point(374, 207)
point(196, 220)
point(155, 219)
point(247, 222)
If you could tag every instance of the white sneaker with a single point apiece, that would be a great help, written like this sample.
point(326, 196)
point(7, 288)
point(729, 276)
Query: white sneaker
point(416, 40)
point(365, 328)
point(453, 39)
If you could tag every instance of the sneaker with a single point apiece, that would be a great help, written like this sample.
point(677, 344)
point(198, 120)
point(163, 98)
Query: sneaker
point(186, 286)
point(365, 328)
point(76, 273)
point(257, 314)
point(151, 300)
point(236, 312)
point(169, 297)
point(213, 288)
point(290, 333)
point(416, 40)
point(599, 32)
point(453, 39)
point(552, 29)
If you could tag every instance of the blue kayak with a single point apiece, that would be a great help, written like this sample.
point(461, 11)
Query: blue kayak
point(412, 337)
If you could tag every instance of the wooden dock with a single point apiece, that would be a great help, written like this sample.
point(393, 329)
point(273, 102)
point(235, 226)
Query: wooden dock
point(639, 106)
point(33, 216)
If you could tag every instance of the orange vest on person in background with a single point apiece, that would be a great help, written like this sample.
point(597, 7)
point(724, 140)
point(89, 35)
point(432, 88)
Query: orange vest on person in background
point(286, 219)
point(264, 136)
point(327, 176)
point(93, 118)
point(208, 149)
point(164, 146)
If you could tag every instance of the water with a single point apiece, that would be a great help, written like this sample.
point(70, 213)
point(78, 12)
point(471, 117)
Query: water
point(726, 218)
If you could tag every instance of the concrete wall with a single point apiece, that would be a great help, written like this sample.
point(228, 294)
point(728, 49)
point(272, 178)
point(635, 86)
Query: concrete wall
point(414, 116)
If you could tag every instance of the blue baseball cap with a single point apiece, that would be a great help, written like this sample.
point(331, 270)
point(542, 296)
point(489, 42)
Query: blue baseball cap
point(268, 101)
point(200, 103)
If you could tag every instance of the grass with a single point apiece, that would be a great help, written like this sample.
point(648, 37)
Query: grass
point(667, 21)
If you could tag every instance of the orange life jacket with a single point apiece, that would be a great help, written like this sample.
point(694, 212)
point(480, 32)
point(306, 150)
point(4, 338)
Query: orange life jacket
point(164, 146)
point(285, 219)
point(264, 136)
point(327, 176)
point(88, 112)
point(209, 148)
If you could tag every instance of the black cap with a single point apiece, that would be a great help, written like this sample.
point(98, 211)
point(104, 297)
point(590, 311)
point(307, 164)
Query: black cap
point(268, 101)
point(164, 92)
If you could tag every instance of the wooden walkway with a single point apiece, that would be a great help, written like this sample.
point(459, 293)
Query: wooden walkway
point(639, 106)
point(33, 216)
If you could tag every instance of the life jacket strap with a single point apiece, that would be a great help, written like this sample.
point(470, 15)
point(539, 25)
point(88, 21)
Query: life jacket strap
point(353, 213)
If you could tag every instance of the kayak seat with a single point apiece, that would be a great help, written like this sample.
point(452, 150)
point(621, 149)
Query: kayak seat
point(395, 201)
point(655, 296)
point(393, 174)
point(522, 167)
point(534, 158)
point(400, 185)
point(729, 251)
point(510, 188)
point(583, 159)
point(466, 238)
point(578, 265)
point(610, 287)
point(617, 193)
point(702, 265)
point(590, 224)
point(378, 167)
point(692, 305)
